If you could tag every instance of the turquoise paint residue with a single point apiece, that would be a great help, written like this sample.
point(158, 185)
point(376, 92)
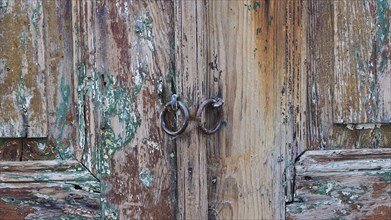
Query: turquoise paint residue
point(60, 121)
point(81, 72)
point(22, 103)
point(109, 212)
point(23, 38)
point(117, 105)
point(146, 177)
point(37, 12)
point(4, 7)
point(382, 34)
point(256, 5)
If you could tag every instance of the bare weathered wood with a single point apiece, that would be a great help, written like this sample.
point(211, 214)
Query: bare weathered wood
point(63, 200)
point(362, 71)
point(191, 83)
point(43, 165)
point(48, 189)
point(344, 160)
point(256, 57)
point(342, 184)
point(22, 70)
point(322, 31)
point(43, 171)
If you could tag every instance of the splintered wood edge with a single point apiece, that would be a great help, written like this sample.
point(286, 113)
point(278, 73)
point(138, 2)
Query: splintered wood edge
point(43, 171)
point(344, 160)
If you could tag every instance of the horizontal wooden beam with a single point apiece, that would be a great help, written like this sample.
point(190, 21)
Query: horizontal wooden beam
point(339, 184)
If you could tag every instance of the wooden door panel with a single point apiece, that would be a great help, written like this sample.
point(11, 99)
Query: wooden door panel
point(362, 70)
point(325, 132)
point(124, 63)
point(48, 189)
point(349, 92)
point(342, 184)
point(254, 60)
point(22, 70)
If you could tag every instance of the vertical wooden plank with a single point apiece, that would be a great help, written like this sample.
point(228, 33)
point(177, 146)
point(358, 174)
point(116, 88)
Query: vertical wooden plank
point(123, 56)
point(320, 69)
point(324, 133)
point(191, 85)
point(62, 115)
point(257, 56)
point(362, 62)
point(22, 70)
point(347, 184)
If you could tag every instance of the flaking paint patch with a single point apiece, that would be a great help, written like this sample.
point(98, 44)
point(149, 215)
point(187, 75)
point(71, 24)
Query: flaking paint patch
point(120, 125)
point(64, 151)
point(4, 7)
point(382, 35)
point(146, 177)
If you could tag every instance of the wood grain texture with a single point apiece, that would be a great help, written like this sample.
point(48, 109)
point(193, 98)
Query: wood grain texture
point(64, 122)
point(43, 171)
point(48, 201)
point(50, 23)
point(191, 84)
point(362, 71)
point(347, 184)
point(322, 31)
point(48, 189)
point(22, 70)
point(255, 56)
point(123, 57)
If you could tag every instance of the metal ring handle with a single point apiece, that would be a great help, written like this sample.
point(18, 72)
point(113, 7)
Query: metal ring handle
point(185, 111)
point(204, 104)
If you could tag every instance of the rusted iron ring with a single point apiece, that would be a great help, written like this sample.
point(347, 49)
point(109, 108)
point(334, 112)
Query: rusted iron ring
point(169, 107)
point(215, 103)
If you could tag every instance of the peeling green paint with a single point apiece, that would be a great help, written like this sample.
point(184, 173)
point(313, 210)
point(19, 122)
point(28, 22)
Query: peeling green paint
point(143, 26)
point(337, 218)
point(64, 151)
point(256, 5)
point(323, 188)
point(159, 89)
point(37, 12)
point(4, 7)
point(109, 211)
point(23, 38)
point(383, 176)
point(81, 72)
point(333, 189)
point(139, 78)
point(253, 6)
point(382, 34)
point(146, 177)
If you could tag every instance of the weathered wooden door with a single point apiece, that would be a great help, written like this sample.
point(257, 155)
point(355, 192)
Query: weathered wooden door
point(307, 90)
point(307, 111)
point(82, 84)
